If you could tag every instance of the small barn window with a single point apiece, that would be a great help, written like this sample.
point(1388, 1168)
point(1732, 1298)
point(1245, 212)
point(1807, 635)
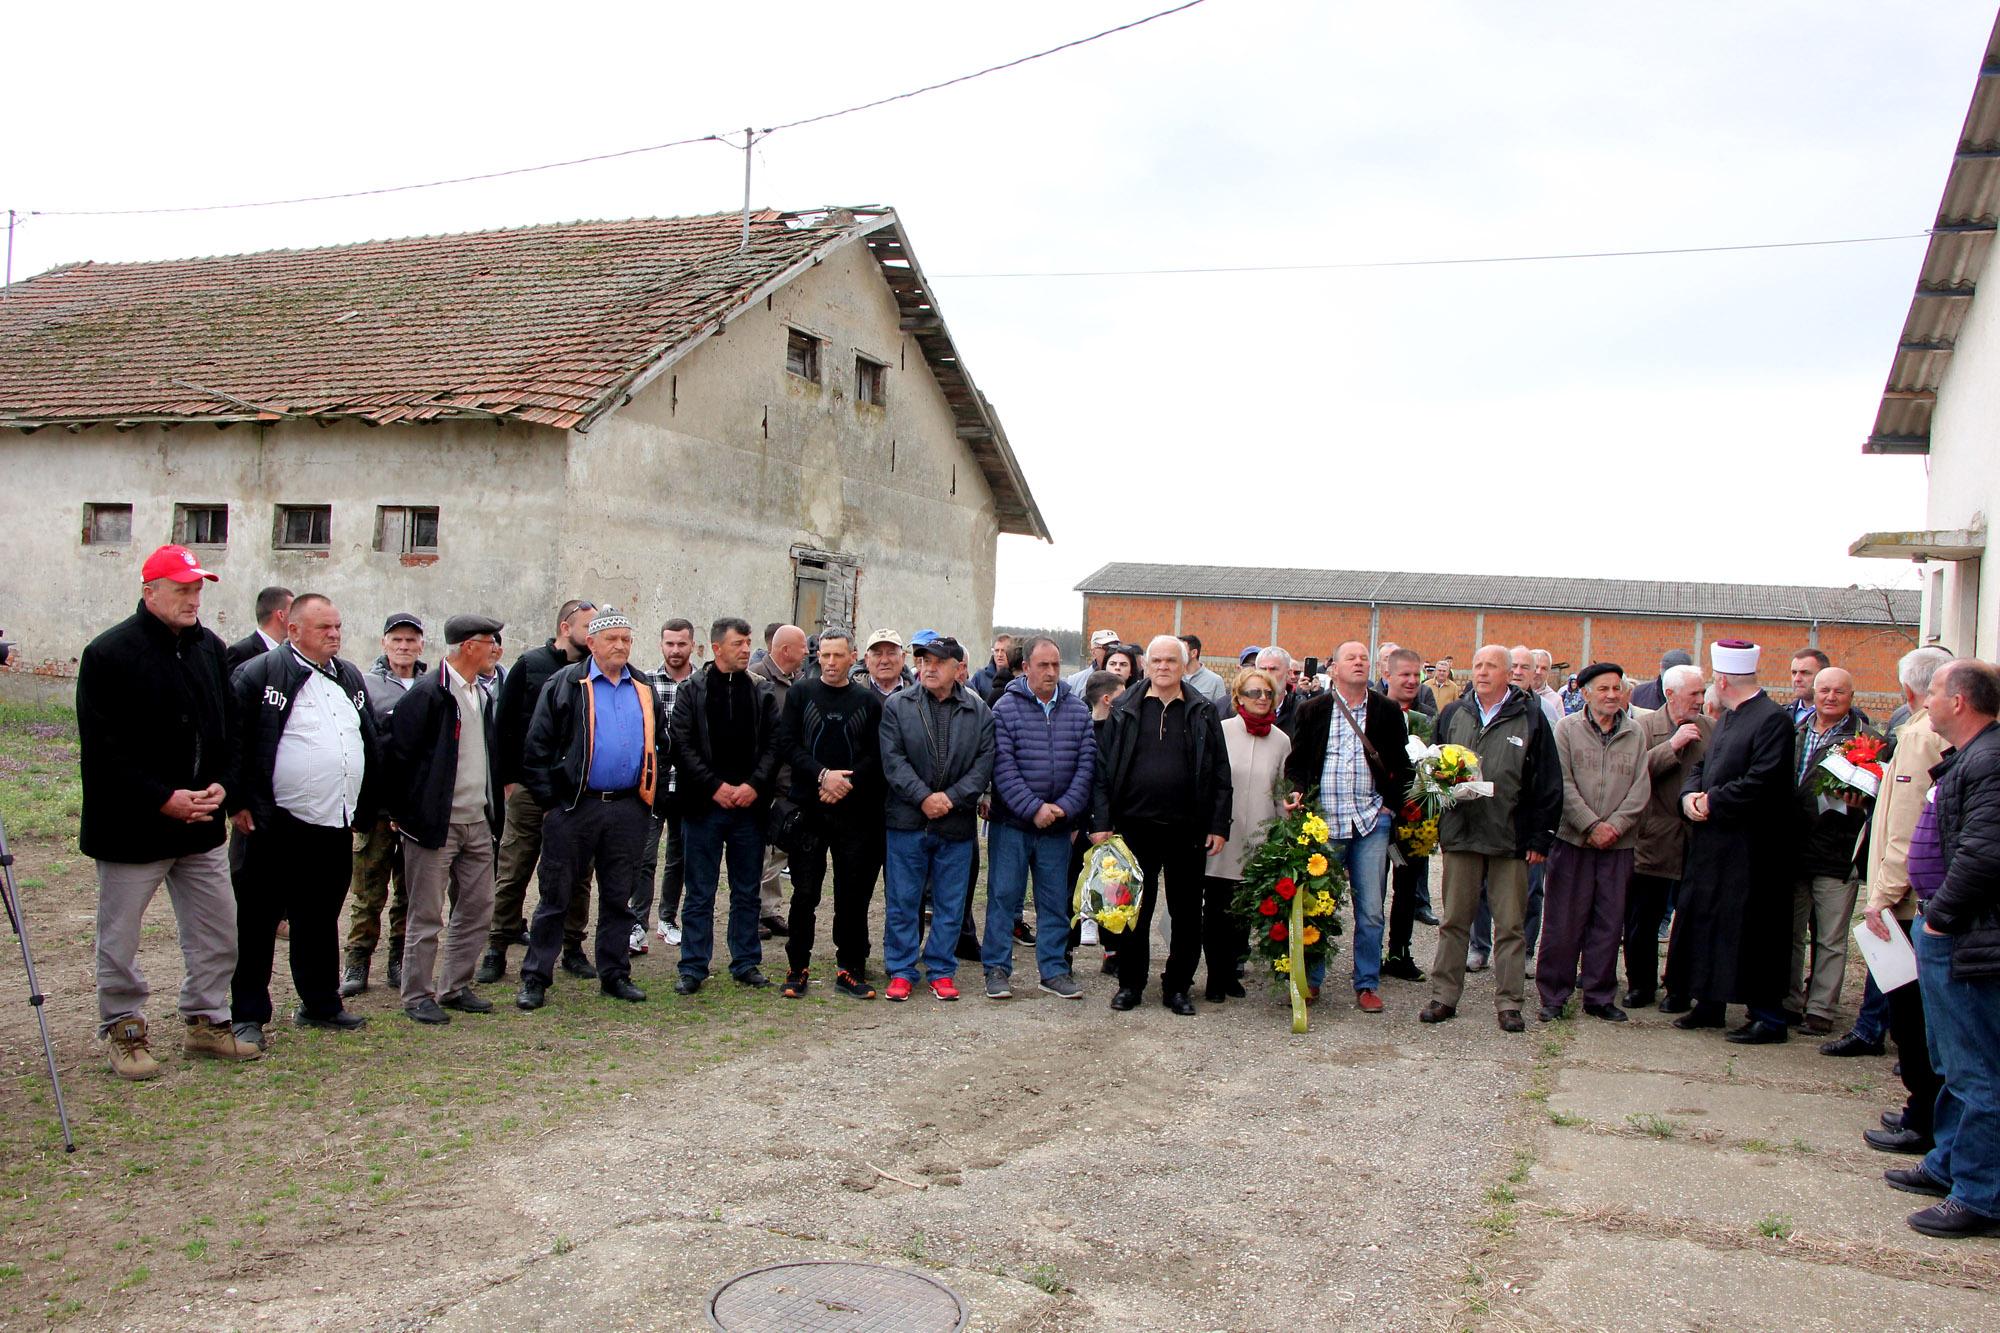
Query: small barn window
point(407, 529)
point(107, 524)
point(303, 528)
point(802, 355)
point(201, 525)
point(870, 379)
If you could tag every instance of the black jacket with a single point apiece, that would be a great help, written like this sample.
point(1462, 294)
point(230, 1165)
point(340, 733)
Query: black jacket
point(1967, 905)
point(423, 760)
point(249, 646)
point(264, 690)
point(695, 779)
point(1208, 760)
point(556, 757)
point(912, 773)
point(1386, 731)
point(1828, 839)
point(152, 712)
point(519, 692)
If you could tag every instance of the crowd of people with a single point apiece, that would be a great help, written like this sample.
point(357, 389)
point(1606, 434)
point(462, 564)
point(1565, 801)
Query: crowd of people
point(1616, 806)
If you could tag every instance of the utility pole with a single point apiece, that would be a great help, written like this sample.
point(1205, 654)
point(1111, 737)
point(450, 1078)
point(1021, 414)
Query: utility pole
point(4, 293)
point(749, 141)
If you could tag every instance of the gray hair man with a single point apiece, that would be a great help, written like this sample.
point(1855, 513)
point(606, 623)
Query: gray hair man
point(1491, 841)
point(1285, 670)
point(1892, 904)
point(1604, 762)
point(1733, 918)
point(447, 806)
point(1826, 879)
point(154, 718)
point(1676, 736)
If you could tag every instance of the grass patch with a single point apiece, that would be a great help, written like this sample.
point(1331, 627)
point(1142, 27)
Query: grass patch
point(132, 1279)
point(1564, 1120)
point(1653, 1126)
point(1048, 1278)
point(1775, 1226)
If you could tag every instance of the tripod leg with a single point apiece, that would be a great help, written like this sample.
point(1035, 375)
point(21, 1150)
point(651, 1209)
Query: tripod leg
point(17, 919)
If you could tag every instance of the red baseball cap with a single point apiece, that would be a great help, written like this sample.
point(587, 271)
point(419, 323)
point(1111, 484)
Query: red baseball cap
point(176, 563)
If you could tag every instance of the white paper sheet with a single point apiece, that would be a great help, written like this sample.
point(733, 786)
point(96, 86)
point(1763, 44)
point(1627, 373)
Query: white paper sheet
point(1892, 962)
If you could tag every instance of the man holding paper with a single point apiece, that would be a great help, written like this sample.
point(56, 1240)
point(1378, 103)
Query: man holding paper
point(1906, 784)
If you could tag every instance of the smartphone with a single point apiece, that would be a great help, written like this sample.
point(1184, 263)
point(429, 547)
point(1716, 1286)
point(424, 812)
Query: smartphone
point(1312, 666)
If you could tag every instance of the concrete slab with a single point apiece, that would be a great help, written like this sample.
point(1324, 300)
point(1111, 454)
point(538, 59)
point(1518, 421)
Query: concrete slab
point(1823, 1123)
point(1732, 1191)
point(1650, 1041)
point(1639, 1284)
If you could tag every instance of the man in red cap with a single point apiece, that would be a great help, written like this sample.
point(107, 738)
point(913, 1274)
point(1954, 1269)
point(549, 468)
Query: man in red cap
point(152, 705)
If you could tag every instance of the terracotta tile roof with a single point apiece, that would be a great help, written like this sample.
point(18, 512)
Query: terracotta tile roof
point(551, 325)
point(1560, 594)
point(540, 323)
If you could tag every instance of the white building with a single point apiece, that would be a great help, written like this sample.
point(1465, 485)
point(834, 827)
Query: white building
point(1943, 395)
point(640, 412)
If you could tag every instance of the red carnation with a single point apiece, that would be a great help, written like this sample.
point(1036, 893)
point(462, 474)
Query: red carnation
point(1278, 931)
point(1121, 897)
point(1269, 907)
point(1412, 813)
point(1286, 889)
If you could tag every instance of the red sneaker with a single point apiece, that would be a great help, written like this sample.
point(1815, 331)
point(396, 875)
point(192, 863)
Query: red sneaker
point(1368, 1002)
point(899, 989)
point(944, 988)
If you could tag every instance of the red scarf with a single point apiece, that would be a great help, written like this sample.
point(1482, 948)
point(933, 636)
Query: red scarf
point(1258, 726)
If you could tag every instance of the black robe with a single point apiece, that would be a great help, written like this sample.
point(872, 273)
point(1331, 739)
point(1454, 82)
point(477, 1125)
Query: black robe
point(1733, 917)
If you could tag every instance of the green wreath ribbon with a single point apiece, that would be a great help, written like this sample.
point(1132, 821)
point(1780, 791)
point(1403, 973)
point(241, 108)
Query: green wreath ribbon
point(1298, 957)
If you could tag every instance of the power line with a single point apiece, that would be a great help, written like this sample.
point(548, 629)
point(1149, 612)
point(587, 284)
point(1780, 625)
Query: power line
point(1442, 263)
point(611, 156)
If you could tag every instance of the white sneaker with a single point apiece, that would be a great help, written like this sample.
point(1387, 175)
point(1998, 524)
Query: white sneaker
point(638, 940)
point(670, 931)
point(1088, 931)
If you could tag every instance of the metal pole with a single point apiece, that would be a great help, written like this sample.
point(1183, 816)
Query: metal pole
point(4, 295)
point(749, 139)
point(18, 919)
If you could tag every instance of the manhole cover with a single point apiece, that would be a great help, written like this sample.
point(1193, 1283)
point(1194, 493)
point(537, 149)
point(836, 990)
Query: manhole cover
point(830, 1296)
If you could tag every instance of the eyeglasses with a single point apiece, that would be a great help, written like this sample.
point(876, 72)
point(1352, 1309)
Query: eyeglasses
point(1255, 694)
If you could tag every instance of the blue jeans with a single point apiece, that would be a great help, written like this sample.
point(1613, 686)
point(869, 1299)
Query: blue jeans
point(705, 838)
point(1531, 925)
point(1962, 1029)
point(1366, 860)
point(1011, 853)
point(918, 857)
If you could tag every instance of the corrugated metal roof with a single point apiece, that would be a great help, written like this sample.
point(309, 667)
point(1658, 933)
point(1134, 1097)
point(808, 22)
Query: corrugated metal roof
point(1700, 601)
point(1962, 236)
point(552, 325)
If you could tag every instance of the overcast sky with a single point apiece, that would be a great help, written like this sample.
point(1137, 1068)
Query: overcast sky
point(1693, 416)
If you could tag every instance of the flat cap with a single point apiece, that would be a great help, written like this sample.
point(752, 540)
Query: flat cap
point(1596, 669)
point(460, 628)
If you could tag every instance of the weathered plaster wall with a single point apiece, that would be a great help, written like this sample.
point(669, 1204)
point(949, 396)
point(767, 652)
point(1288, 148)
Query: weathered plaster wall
point(689, 499)
point(1965, 477)
point(495, 487)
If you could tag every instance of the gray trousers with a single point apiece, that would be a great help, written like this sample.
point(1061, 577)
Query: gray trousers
point(465, 863)
point(771, 893)
point(204, 910)
point(1822, 912)
point(1506, 881)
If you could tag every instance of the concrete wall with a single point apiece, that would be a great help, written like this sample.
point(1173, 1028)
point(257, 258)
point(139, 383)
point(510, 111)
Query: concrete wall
point(1965, 483)
point(1634, 642)
point(689, 499)
point(493, 485)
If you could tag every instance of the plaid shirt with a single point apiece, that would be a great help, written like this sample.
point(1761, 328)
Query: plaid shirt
point(1813, 745)
point(665, 687)
point(1347, 795)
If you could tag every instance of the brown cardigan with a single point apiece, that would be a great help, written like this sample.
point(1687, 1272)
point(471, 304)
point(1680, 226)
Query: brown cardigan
point(1663, 831)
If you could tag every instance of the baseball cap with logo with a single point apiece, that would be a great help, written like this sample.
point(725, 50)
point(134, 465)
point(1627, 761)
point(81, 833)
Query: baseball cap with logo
point(403, 618)
point(176, 563)
point(939, 646)
point(1104, 638)
point(884, 636)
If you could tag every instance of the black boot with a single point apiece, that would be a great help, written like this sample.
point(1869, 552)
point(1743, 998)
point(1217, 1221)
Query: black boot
point(395, 969)
point(492, 965)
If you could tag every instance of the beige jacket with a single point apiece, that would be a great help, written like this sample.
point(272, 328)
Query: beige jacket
point(1663, 830)
point(1255, 765)
point(1905, 780)
point(1603, 780)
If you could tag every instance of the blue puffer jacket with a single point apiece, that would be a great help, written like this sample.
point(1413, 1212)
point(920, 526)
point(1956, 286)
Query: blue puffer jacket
point(1041, 759)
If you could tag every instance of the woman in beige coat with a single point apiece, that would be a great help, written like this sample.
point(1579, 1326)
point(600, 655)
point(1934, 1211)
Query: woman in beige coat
point(1257, 752)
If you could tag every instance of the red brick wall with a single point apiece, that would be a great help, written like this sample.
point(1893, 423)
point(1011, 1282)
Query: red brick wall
point(1634, 642)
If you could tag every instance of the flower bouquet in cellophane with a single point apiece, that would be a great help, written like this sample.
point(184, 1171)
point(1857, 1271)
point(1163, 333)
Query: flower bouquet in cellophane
point(1107, 891)
point(1289, 898)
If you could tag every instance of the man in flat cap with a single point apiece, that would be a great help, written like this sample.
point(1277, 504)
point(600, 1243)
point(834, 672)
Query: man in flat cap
point(446, 797)
point(592, 761)
point(1733, 921)
point(1605, 791)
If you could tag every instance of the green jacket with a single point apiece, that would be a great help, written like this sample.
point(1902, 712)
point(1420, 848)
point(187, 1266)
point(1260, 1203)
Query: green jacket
point(1517, 754)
